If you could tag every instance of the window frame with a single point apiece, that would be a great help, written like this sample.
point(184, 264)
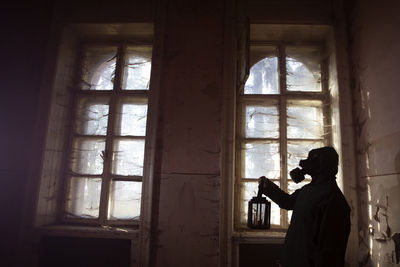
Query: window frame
point(114, 95)
point(282, 97)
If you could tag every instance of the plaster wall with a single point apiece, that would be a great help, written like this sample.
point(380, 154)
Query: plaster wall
point(189, 127)
point(375, 59)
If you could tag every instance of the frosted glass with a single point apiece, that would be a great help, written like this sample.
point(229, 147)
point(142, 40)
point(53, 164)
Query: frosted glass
point(263, 78)
point(125, 200)
point(87, 156)
point(84, 197)
point(303, 69)
point(137, 69)
point(261, 159)
point(250, 191)
point(132, 119)
point(305, 122)
point(128, 156)
point(261, 122)
point(98, 70)
point(297, 150)
point(92, 118)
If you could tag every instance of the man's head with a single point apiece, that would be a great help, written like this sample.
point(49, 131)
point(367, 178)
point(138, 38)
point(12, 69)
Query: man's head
point(322, 160)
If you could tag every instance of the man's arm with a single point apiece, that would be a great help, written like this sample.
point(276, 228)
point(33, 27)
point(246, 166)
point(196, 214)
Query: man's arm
point(280, 197)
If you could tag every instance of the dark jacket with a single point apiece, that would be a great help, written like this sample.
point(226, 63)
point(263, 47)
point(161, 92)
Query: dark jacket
point(320, 224)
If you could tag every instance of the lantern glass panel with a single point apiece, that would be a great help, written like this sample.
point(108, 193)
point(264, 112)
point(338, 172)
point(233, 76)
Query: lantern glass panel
point(250, 191)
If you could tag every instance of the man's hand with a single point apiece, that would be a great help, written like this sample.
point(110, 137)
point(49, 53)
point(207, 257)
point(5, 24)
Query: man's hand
point(263, 183)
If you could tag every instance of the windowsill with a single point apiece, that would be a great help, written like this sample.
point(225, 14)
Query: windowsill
point(88, 231)
point(267, 237)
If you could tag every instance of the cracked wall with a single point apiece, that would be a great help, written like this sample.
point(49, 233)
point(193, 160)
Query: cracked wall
point(375, 59)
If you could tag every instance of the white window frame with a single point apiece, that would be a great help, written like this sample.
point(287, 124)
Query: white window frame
point(116, 94)
point(280, 100)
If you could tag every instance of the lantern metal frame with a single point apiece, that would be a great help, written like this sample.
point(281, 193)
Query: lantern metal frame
point(262, 217)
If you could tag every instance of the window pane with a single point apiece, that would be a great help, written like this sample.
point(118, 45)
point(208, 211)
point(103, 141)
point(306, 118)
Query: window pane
point(137, 68)
point(98, 69)
point(305, 120)
point(83, 197)
point(263, 78)
point(92, 116)
point(299, 150)
point(261, 159)
point(261, 122)
point(132, 118)
point(87, 156)
point(303, 69)
point(128, 156)
point(125, 199)
point(250, 191)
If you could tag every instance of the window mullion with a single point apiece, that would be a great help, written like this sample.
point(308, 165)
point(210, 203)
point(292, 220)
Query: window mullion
point(326, 107)
point(106, 177)
point(283, 126)
point(239, 184)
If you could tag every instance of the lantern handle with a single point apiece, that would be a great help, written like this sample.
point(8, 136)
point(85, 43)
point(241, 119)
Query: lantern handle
point(259, 193)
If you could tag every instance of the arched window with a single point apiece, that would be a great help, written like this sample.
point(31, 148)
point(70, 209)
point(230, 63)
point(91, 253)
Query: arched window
point(283, 112)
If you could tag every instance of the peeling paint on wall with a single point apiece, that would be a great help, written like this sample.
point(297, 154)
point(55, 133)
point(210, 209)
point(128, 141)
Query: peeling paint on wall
point(376, 94)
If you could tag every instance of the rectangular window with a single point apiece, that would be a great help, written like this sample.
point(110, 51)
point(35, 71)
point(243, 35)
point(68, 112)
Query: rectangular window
point(283, 113)
point(105, 161)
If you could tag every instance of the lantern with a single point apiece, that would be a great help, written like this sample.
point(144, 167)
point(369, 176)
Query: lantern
point(259, 213)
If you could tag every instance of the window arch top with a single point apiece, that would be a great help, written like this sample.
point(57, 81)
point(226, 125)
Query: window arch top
point(301, 64)
point(137, 68)
point(303, 69)
point(99, 68)
point(263, 78)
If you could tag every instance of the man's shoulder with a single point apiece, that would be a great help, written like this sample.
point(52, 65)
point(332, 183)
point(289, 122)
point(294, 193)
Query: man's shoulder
point(338, 197)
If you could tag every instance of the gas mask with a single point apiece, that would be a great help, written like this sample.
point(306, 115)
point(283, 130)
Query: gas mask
point(310, 166)
point(321, 161)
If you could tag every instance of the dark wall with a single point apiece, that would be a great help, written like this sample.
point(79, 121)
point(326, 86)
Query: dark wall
point(105, 11)
point(259, 255)
point(84, 252)
point(287, 11)
point(24, 41)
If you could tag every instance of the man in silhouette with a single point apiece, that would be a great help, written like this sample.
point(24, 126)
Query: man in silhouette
point(320, 224)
